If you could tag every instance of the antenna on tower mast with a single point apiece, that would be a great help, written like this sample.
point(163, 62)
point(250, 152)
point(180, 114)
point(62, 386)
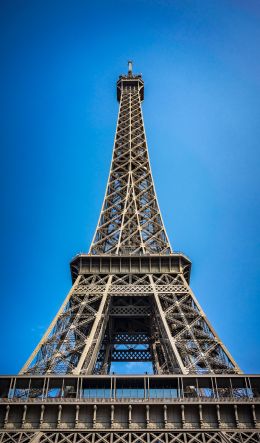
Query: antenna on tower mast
point(130, 68)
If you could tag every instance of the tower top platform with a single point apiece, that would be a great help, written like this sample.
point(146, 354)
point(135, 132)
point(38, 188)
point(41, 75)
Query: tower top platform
point(130, 81)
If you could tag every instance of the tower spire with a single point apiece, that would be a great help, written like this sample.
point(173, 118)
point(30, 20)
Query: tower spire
point(130, 68)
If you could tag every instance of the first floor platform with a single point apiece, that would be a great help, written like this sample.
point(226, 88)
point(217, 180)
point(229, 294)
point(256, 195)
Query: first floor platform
point(130, 409)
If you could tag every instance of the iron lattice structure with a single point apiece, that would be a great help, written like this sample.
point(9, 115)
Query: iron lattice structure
point(130, 302)
point(131, 316)
point(130, 219)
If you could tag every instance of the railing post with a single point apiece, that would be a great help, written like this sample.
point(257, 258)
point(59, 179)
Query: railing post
point(147, 415)
point(42, 414)
point(165, 415)
point(236, 416)
point(77, 416)
point(59, 415)
point(218, 416)
point(201, 416)
point(254, 415)
point(112, 415)
point(24, 415)
point(183, 421)
point(94, 415)
point(129, 415)
point(6, 415)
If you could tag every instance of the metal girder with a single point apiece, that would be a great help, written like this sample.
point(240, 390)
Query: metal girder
point(134, 436)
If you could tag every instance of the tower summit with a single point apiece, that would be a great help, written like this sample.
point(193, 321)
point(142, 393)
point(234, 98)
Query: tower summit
point(130, 303)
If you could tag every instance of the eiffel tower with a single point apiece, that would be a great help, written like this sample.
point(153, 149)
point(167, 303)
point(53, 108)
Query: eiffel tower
point(130, 304)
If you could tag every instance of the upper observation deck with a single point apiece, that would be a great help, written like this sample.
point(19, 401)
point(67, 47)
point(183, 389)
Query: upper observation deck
point(130, 81)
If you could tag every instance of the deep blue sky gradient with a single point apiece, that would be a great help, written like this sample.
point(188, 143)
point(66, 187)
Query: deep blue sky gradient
point(200, 62)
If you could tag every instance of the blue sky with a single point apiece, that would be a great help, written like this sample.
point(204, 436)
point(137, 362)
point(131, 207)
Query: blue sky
point(200, 62)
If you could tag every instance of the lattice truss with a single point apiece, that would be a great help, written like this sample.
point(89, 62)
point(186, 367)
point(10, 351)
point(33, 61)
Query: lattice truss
point(130, 219)
point(130, 317)
point(133, 437)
